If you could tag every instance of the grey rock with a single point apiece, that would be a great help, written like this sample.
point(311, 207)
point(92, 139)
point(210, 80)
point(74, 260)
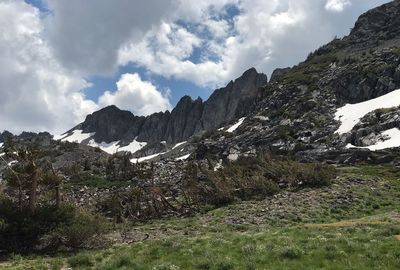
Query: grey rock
point(233, 101)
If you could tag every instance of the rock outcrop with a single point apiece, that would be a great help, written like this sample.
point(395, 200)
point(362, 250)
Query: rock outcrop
point(4, 135)
point(233, 101)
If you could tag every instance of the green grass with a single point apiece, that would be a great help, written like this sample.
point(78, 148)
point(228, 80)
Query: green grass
point(350, 247)
point(349, 225)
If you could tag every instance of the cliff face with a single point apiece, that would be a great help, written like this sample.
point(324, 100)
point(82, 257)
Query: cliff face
point(233, 101)
point(186, 119)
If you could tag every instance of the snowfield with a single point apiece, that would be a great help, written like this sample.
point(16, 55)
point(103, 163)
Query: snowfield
point(350, 114)
point(133, 146)
point(113, 147)
point(392, 140)
point(235, 126)
point(110, 148)
point(77, 136)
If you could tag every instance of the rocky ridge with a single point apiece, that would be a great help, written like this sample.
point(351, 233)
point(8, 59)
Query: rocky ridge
point(188, 118)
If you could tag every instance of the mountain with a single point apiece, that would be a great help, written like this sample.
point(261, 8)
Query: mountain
point(315, 110)
point(188, 118)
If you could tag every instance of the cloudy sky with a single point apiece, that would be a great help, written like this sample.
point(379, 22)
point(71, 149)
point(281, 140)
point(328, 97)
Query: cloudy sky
point(63, 59)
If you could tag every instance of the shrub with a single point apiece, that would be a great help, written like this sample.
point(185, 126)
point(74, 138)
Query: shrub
point(391, 230)
point(83, 230)
point(290, 252)
point(251, 177)
point(46, 229)
point(21, 231)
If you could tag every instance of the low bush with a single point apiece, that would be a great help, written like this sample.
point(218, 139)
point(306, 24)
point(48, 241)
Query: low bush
point(290, 252)
point(83, 230)
point(47, 229)
point(250, 178)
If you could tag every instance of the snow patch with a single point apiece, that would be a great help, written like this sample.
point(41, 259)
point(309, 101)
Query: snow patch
point(350, 114)
point(185, 157)
point(139, 160)
point(59, 137)
point(133, 146)
point(113, 147)
point(218, 165)
point(235, 126)
point(12, 163)
point(1, 145)
point(178, 144)
point(392, 140)
point(110, 148)
point(77, 136)
point(262, 118)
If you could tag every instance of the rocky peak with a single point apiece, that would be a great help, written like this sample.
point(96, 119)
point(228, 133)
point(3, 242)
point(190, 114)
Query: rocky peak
point(189, 117)
point(5, 135)
point(108, 123)
point(378, 24)
point(233, 101)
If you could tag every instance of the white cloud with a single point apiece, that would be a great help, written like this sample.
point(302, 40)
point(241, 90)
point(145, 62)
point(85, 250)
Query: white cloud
point(250, 39)
point(137, 96)
point(218, 28)
point(36, 92)
point(86, 35)
point(265, 35)
point(165, 50)
point(337, 5)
